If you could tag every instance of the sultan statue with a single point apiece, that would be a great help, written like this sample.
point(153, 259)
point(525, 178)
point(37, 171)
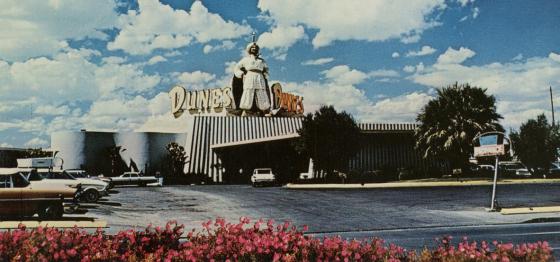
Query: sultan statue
point(250, 84)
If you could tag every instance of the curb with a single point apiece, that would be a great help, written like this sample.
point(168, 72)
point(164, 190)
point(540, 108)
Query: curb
point(421, 184)
point(53, 223)
point(529, 210)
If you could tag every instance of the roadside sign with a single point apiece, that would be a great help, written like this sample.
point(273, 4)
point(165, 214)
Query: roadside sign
point(489, 150)
point(488, 140)
point(491, 144)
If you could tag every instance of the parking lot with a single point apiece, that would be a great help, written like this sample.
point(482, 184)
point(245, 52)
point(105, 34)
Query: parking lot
point(322, 210)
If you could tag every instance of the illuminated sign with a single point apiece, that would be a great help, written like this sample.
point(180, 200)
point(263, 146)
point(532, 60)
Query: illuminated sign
point(199, 101)
point(219, 99)
point(287, 102)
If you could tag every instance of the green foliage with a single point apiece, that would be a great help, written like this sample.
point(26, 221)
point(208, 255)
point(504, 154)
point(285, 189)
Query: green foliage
point(536, 143)
point(176, 158)
point(449, 122)
point(330, 138)
point(114, 155)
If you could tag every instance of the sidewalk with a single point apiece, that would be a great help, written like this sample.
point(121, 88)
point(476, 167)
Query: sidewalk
point(423, 183)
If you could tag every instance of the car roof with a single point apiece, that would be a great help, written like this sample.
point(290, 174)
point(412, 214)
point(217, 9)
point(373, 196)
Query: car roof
point(9, 171)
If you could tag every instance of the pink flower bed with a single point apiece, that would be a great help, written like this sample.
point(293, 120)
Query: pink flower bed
point(243, 241)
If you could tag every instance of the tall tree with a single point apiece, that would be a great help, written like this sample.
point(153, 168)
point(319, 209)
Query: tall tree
point(177, 158)
point(329, 138)
point(114, 155)
point(449, 122)
point(536, 143)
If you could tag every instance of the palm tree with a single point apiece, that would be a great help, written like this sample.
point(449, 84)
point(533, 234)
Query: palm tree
point(114, 154)
point(449, 122)
point(177, 157)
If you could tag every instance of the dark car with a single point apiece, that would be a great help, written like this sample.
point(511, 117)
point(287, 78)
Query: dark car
point(513, 169)
point(554, 170)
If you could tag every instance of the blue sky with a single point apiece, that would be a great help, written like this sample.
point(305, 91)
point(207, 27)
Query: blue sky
point(107, 65)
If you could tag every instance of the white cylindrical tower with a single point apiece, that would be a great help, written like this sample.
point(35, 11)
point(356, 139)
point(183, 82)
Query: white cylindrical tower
point(70, 147)
point(135, 149)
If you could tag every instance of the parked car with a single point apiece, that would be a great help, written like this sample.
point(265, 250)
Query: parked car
point(92, 189)
point(262, 176)
point(554, 171)
point(513, 169)
point(78, 173)
point(21, 198)
point(132, 178)
point(486, 170)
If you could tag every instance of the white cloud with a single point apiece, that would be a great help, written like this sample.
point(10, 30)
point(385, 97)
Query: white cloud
point(395, 55)
point(384, 73)
point(425, 50)
point(4, 144)
point(114, 79)
point(52, 110)
point(41, 28)
point(520, 87)
point(36, 142)
point(554, 57)
point(63, 78)
point(465, 2)
point(370, 21)
point(156, 59)
point(403, 108)
point(193, 80)
point(113, 60)
point(476, 12)
point(225, 45)
point(117, 114)
point(518, 57)
point(453, 56)
point(410, 39)
point(280, 38)
point(158, 26)
point(172, 53)
point(57, 92)
point(163, 123)
point(343, 75)
point(320, 61)
point(409, 69)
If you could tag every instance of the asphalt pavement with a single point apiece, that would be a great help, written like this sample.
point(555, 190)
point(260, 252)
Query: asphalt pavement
point(324, 210)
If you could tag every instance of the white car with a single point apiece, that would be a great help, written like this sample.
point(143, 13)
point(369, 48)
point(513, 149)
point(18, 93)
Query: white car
point(133, 178)
point(92, 189)
point(263, 176)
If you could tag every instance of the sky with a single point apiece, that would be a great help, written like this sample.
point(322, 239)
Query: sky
point(107, 65)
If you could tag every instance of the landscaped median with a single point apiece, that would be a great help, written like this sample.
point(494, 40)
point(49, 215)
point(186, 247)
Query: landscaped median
point(243, 241)
point(424, 183)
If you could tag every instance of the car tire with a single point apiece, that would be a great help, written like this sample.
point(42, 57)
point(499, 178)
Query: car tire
point(90, 196)
point(51, 211)
point(143, 184)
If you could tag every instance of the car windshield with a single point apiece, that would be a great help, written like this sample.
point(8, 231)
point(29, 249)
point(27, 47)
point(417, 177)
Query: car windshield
point(19, 181)
point(5, 182)
point(34, 176)
point(77, 174)
point(263, 171)
point(57, 175)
